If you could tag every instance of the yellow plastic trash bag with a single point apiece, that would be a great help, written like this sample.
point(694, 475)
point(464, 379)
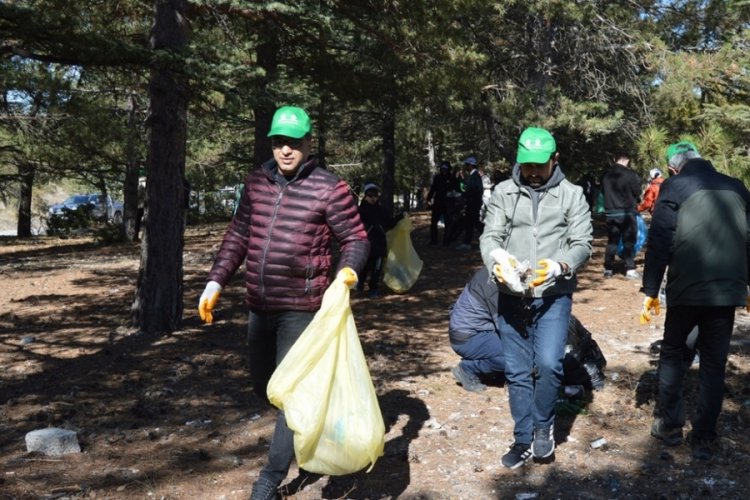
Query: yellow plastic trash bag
point(402, 265)
point(324, 387)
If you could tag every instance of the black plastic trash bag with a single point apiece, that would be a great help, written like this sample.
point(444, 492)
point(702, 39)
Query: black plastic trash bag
point(584, 362)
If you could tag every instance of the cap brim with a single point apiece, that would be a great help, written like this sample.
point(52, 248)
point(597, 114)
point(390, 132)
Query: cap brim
point(294, 133)
point(526, 156)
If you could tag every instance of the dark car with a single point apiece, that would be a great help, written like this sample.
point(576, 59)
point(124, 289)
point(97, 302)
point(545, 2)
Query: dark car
point(101, 206)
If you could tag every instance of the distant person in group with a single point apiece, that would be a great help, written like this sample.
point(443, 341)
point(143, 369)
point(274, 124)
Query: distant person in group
point(442, 183)
point(622, 190)
point(540, 217)
point(377, 222)
point(652, 191)
point(588, 184)
point(289, 215)
point(473, 192)
point(700, 233)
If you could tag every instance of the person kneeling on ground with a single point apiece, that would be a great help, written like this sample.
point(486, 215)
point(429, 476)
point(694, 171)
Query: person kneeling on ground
point(475, 336)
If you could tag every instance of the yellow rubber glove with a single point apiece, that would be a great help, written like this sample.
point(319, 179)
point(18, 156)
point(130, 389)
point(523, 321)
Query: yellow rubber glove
point(548, 271)
point(649, 304)
point(348, 276)
point(497, 270)
point(208, 301)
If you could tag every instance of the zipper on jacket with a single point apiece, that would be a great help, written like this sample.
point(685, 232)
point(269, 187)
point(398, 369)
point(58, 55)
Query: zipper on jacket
point(268, 243)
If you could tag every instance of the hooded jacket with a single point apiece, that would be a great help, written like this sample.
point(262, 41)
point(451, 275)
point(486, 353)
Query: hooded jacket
point(701, 230)
point(283, 231)
point(552, 221)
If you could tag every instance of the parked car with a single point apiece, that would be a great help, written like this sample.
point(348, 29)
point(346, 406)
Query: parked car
point(102, 206)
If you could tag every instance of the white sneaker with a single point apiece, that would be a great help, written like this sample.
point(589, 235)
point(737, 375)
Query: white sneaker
point(632, 274)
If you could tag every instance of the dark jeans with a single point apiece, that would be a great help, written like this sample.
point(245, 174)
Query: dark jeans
point(471, 221)
point(621, 226)
point(270, 336)
point(715, 325)
point(374, 269)
point(534, 333)
point(481, 352)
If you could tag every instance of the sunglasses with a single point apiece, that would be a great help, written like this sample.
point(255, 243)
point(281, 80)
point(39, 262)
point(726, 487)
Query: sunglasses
point(278, 142)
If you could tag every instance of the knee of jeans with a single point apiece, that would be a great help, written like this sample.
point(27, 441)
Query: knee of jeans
point(547, 367)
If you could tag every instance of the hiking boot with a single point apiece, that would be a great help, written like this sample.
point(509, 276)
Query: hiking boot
point(544, 442)
point(607, 273)
point(468, 381)
point(701, 449)
point(517, 455)
point(632, 274)
point(264, 489)
point(671, 436)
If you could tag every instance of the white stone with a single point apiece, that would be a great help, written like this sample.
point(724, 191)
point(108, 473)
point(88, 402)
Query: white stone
point(52, 441)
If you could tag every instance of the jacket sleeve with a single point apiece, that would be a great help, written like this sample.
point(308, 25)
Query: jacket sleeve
point(580, 231)
point(343, 218)
point(494, 228)
point(233, 248)
point(660, 238)
point(649, 197)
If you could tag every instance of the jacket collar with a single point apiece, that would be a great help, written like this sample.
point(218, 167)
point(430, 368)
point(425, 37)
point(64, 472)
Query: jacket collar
point(269, 168)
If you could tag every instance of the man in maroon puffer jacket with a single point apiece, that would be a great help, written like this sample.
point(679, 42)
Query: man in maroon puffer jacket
point(290, 213)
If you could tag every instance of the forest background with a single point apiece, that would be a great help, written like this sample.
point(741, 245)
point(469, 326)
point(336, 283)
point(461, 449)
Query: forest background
point(96, 94)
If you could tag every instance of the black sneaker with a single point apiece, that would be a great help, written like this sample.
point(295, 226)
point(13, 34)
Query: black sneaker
point(671, 436)
point(544, 442)
point(701, 449)
point(468, 381)
point(264, 489)
point(517, 455)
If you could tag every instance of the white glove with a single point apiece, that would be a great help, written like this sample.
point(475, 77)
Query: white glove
point(509, 271)
point(549, 270)
point(208, 301)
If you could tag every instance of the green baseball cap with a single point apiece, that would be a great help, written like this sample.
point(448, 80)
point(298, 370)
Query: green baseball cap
point(290, 121)
point(680, 147)
point(535, 145)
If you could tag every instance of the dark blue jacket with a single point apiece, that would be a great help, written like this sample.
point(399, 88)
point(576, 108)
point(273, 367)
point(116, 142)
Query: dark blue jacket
point(475, 309)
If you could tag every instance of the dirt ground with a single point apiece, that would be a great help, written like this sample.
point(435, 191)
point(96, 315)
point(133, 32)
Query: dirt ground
point(174, 417)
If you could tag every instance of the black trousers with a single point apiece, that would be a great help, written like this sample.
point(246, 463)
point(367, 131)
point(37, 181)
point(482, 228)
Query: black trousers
point(715, 326)
point(623, 226)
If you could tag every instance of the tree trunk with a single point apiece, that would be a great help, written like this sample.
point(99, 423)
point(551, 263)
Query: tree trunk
point(130, 194)
point(26, 175)
point(267, 59)
point(389, 155)
point(158, 303)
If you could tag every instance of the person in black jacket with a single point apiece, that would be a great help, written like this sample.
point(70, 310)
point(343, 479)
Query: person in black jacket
point(473, 193)
point(701, 230)
point(377, 221)
point(442, 183)
point(622, 191)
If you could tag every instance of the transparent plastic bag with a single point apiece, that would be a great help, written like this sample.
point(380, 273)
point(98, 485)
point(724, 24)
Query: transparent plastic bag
point(402, 265)
point(323, 385)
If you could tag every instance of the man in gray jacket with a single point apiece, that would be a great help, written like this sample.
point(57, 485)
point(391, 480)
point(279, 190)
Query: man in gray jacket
point(539, 218)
